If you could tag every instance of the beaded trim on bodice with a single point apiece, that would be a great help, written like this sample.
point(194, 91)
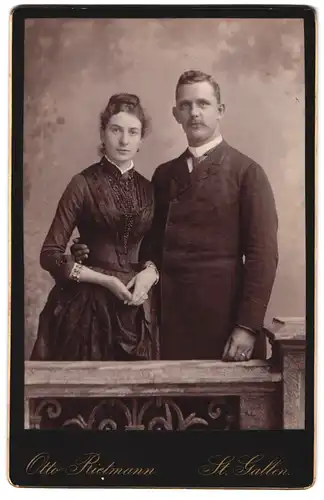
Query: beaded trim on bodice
point(123, 189)
point(126, 193)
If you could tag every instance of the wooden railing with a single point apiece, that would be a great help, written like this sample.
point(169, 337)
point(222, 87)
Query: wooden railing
point(288, 339)
point(270, 393)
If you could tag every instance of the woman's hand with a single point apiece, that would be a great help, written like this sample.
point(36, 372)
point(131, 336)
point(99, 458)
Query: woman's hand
point(84, 274)
point(117, 288)
point(141, 284)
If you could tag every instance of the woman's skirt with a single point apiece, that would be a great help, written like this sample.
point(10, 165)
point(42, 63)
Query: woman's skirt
point(82, 321)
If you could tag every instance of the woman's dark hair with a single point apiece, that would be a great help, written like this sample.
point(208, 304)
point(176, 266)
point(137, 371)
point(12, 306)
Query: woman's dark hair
point(129, 103)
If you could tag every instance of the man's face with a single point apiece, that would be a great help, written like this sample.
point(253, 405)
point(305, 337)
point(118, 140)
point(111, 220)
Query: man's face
point(198, 112)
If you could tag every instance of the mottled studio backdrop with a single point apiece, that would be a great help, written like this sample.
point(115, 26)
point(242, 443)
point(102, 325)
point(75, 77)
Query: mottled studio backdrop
point(73, 66)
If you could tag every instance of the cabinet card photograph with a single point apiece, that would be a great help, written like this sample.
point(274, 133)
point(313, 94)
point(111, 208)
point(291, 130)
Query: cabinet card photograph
point(162, 246)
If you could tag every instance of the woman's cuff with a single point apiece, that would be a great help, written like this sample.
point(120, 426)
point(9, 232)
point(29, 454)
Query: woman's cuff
point(75, 272)
point(62, 267)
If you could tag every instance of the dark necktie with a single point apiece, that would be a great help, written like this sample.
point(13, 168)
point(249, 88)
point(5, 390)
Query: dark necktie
point(196, 160)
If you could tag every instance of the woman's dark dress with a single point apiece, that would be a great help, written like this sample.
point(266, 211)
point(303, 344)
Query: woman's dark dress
point(83, 321)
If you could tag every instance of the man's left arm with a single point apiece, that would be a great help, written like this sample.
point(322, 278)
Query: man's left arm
point(258, 234)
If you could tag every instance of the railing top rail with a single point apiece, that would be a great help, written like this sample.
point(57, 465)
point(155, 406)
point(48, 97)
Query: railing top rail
point(148, 372)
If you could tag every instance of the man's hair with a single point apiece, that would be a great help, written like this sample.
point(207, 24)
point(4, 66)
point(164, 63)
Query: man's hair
point(193, 76)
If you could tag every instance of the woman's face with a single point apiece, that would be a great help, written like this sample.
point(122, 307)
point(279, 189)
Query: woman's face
point(122, 137)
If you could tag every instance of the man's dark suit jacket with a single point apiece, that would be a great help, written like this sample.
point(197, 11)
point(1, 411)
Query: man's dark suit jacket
point(214, 240)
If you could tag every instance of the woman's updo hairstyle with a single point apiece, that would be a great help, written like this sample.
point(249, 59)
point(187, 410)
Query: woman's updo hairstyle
point(128, 103)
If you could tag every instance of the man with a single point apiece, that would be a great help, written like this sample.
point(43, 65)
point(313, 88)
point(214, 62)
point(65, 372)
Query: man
point(213, 238)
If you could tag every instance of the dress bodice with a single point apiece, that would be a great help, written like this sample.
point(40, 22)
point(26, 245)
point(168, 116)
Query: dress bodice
point(112, 212)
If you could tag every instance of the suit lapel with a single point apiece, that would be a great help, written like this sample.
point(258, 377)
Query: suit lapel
point(210, 165)
point(181, 179)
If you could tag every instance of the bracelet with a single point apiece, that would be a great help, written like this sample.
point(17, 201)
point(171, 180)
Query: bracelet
point(149, 263)
point(75, 272)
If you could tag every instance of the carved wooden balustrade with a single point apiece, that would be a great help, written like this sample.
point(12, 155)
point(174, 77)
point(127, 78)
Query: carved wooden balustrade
point(174, 395)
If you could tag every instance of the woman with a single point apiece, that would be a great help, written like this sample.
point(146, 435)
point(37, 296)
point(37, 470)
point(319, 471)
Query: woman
point(94, 312)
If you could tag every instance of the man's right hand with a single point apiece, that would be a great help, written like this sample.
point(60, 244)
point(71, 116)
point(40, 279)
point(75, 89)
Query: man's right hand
point(80, 251)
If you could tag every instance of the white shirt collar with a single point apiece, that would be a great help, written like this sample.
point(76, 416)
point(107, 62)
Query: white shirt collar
point(201, 150)
point(121, 171)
